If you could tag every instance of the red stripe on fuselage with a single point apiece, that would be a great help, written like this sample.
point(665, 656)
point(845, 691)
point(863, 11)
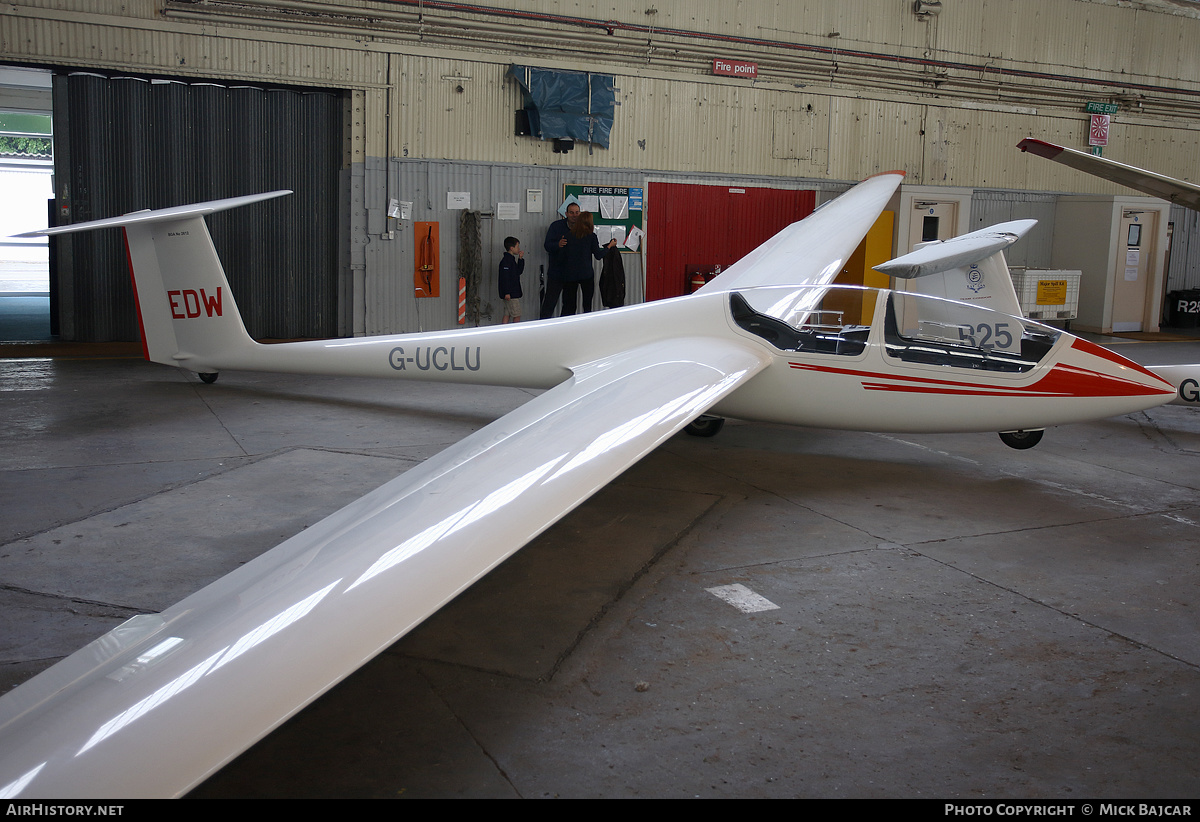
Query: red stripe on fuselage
point(1062, 381)
point(962, 392)
point(1081, 382)
point(1104, 354)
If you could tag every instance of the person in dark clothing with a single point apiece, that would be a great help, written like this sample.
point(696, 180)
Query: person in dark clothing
point(582, 248)
point(571, 244)
point(510, 279)
point(556, 241)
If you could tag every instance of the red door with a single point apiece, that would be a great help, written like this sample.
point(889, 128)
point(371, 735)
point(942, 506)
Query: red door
point(702, 225)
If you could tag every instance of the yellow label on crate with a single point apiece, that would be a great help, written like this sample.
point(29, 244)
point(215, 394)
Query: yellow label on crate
point(1052, 292)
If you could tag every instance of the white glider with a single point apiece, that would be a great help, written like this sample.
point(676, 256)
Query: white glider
point(158, 704)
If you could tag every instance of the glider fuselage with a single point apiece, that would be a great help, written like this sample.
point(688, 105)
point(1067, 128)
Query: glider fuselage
point(873, 386)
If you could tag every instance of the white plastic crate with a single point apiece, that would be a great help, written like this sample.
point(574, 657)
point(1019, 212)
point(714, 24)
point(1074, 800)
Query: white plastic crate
point(1047, 294)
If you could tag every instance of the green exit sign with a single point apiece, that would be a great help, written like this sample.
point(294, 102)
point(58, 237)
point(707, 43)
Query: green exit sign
point(1101, 108)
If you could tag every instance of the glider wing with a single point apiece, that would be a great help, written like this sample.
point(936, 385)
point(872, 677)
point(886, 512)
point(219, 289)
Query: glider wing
point(1139, 179)
point(161, 702)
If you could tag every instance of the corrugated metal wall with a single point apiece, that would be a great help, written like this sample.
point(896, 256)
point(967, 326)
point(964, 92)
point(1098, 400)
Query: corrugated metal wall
point(386, 274)
point(710, 125)
point(879, 78)
point(991, 207)
point(1184, 271)
point(124, 144)
point(388, 305)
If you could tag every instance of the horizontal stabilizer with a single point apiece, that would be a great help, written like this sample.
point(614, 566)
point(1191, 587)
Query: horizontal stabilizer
point(160, 215)
point(957, 252)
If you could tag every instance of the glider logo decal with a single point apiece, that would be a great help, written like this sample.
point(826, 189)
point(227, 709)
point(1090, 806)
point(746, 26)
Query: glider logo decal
point(440, 358)
point(975, 279)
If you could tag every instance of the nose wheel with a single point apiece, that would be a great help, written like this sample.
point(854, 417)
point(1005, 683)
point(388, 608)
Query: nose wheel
point(1021, 439)
point(208, 377)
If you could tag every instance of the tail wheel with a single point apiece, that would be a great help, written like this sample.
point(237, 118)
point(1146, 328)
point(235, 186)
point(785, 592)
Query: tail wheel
point(208, 377)
point(705, 426)
point(1021, 439)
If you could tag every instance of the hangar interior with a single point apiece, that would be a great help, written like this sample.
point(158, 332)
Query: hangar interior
point(953, 618)
point(420, 103)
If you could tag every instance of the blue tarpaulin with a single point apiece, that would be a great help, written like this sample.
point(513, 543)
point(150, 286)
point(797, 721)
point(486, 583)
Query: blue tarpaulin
point(572, 105)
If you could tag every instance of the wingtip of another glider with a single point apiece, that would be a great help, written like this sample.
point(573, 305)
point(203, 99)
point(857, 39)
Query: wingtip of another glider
point(1040, 147)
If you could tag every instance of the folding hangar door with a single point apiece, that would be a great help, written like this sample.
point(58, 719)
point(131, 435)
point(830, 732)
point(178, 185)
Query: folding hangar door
point(691, 226)
point(128, 143)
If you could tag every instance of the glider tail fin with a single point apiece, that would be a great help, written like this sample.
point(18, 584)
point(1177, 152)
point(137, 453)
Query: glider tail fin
point(969, 268)
point(186, 311)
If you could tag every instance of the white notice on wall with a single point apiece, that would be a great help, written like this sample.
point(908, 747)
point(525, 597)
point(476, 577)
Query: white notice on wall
point(405, 209)
point(1132, 255)
point(458, 200)
point(1130, 274)
point(614, 208)
point(533, 200)
point(634, 239)
point(508, 211)
point(618, 234)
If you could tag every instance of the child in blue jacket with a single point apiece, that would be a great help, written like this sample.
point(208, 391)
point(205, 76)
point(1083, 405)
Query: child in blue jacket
point(510, 279)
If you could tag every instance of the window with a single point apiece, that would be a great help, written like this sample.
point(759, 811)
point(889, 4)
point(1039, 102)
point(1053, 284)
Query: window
point(820, 328)
point(942, 332)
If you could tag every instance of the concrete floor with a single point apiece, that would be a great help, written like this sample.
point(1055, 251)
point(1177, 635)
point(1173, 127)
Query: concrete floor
point(956, 619)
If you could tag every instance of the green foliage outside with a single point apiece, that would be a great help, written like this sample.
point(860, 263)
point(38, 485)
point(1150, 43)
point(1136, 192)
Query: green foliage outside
point(12, 146)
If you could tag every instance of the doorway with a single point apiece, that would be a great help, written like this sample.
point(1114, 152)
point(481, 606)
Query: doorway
point(932, 220)
point(26, 178)
point(1134, 272)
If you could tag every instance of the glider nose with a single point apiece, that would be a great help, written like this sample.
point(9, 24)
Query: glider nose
point(1103, 373)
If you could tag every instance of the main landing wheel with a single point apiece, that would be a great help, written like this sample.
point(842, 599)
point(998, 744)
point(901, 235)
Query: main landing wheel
point(208, 377)
point(705, 426)
point(1021, 439)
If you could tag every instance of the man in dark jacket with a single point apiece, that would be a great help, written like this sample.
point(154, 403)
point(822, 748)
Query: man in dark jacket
point(557, 237)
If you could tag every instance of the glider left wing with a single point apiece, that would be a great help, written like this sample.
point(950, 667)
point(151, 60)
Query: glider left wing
point(161, 702)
